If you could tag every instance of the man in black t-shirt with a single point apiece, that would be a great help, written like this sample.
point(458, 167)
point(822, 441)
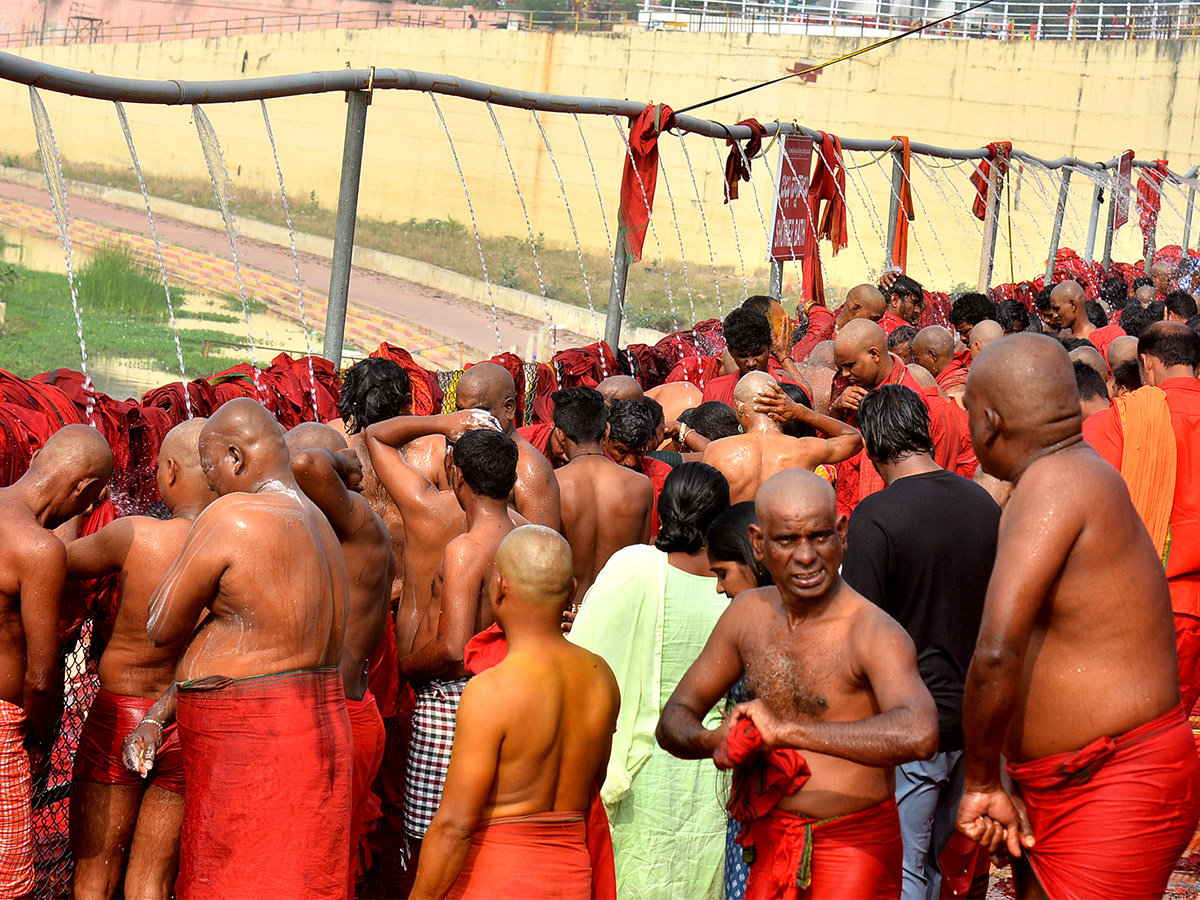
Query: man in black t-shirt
point(923, 549)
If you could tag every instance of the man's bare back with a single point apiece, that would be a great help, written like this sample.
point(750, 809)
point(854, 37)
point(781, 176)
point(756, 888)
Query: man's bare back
point(385, 507)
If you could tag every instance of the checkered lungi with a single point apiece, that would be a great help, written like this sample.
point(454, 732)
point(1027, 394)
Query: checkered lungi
point(429, 753)
point(16, 818)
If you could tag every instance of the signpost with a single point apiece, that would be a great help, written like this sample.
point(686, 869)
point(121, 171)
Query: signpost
point(790, 230)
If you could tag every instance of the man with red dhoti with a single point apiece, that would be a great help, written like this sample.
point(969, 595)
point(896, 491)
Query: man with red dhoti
point(1151, 437)
point(261, 703)
point(754, 347)
point(814, 751)
point(905, 301)
point(532, 741)
point(1073, 677)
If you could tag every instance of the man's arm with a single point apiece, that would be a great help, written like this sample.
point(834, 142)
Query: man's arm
point(194, 578)
point(325, 478)
point(718, 667)
point(537, 493)
point(41, 587)
point(469, 780)
point(462, 588)
point(143, 743)
point(101, 553)
point(906, 726)
point(648, 519)
point(841, 441)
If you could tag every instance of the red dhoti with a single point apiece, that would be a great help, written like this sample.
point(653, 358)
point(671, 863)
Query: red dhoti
point(1111, 819)
point(16, 819)
point(366, 726)
point(267, 809)
point(544, 855)
point(109, 721)
point(794, 858)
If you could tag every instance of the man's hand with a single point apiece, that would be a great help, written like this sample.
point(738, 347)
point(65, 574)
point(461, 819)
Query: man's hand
point(849, 399)
point(349, 468)
point(769, 727)
point(996, 821)
point(465, 420)
point(141, 746)
point(775, 403)
point(887, 279)
point(781, 344)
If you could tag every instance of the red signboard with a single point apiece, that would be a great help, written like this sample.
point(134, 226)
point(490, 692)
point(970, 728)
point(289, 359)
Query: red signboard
point(790, 231)
point(1123, 186)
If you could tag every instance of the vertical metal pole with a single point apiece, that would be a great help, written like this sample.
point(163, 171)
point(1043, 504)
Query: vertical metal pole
point(1093, 221)
point(776, 285)
point(1041, 9)
point(1187, 219)
point(1059, 212)
point(343, 236)
point(1099, 20)
point(991, 226)
point(1108, 230)
point(894, 206)
point(616, 294)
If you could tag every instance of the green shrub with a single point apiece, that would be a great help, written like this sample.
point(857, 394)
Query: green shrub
point(113, 281)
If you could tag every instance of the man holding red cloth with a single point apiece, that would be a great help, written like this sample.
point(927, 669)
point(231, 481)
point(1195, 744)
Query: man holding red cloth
point(1073, 677)
point(832, 677)
point(532, 740)
point(261, 703)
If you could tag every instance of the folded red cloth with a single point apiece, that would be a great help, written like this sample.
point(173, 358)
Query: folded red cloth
point(760, 779)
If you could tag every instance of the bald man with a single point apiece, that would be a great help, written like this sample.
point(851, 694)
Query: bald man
point(63, 480)
point(762, 450)
point(1068, 305)
point(830, 676)
point(863, 301)
point(117, 814)
point(619, 387)
point(863, 365)
point(534, 734)
point(982, 335)
point(331, 476)
point(1162, 273)
point(933, 350)
point(1145, 295)
point(1120, 350)
point(267, 809)
point(1091, 358)
point(1073, 677)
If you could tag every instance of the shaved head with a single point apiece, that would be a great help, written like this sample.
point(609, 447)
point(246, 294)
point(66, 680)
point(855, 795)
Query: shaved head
point(1070, 290)
point(857, 336)
point(1145, 295)
point(921, 376)
point(863, 301)
point(794, 487)
point(1068, 301)
point(537, 565)
point(242, 446)
point(1121, 350)
point(181, 479)
point(860, 353)
point(77, 451)
point(799, 536)
point(182, 444)
point(933, 349)
point(310, 435)
point(489, 387)
point(983, 334)
point(822, 355)
point(1090, 356)
point(619, 387)
point(750, 386)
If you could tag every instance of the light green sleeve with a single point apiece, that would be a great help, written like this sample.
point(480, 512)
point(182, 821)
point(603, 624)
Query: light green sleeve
point(621, 621)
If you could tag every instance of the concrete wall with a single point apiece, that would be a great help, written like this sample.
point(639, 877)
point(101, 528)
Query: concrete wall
point(1051, 98)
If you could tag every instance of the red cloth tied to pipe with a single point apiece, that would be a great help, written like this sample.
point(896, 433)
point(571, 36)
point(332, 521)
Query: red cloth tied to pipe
point(998, 154)
point(640, 176)
point(907, 213)
point(426, 392)
point(737, 165)
point(267, 808)
point(1111, 819)
point(1149, 201)
point(650, 365)
point(829, 187)
point(760, 778)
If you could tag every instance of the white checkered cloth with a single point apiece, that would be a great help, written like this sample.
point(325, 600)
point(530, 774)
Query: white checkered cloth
point(16, 817)
point(429, 752)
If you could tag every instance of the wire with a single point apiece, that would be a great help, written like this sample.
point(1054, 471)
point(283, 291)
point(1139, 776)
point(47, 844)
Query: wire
point(851, 55)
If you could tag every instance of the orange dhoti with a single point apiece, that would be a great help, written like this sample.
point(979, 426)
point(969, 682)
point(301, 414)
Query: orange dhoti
point(366, 725)
point(544, 855)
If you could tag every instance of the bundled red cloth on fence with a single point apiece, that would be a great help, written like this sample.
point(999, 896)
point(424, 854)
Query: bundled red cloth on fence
point(170, 398)
point(293, 388)
point(41, 397)
point(426, 392)
point(584, 366)
point(998, 154)
point(1112, 818)
point(1069, 265)
point(640, 176)
point(906, 213)
point(697, 370)
point(1149, 201)
point(737, 164)
point(703, 339)
point(650, 366)
point(829, 186)
point(267, 809)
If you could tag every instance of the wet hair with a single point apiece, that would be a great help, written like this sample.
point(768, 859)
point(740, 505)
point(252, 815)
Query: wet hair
point(1090, 382)
point(728, 539)
point(746, 330)
point(1128, 375)
point(487, 460)
point(693, 495)
point(1135, 320)
point(1140, 282)
point(796, 393)
point(894, 422)
point(1095, 313)
point(1171, 346)
point(579, 413)
point(900, 336)
point(1181, 304)
point(1114, 292)
point(1194, 324)
point(656, 412)
point(1042, 301)
point(760, 302)
point(373, 389)
point(713, 419)
point(971, 308)
point(1010, 313)
point(904, 286)
point(630, 423)
point(1074, 343)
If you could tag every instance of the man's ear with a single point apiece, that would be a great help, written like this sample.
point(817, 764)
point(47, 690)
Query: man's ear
point(172, 471)
point(842, 524)
point(239, 460)
point(571, 592)
point(499, 588)
point(992, 425)
point(510, 407)
point(756, 543)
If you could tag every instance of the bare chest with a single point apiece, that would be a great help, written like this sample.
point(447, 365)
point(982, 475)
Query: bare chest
point(801, 675)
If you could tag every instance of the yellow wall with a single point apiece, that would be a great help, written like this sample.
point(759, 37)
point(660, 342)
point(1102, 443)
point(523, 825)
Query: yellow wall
point(1051, 98)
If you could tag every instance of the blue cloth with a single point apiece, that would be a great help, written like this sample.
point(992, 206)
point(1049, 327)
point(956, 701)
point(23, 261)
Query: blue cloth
point(928, 793)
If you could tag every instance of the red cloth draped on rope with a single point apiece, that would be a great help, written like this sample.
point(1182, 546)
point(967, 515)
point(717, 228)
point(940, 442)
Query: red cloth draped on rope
point(829, 186)
point(426, 392)
point(586, 366)
point(641, 176)
point(1149, 202)
point(998, 153)
point(737, 165)
point(906, 213)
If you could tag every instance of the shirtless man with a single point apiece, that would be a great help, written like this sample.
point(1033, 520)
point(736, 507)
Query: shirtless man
point(63, 480)
point(619, 387)
point(1068, 302)
point(605, 506)
point(831, 676)
point(331, 476)
point(982, 335)
point(1074, 677)
point(267, 809)
point(115, 813)
point(535, 732)
point(863, 301)
point(749, 459)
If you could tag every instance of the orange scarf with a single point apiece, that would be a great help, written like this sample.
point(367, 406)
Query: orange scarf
point(1148, 459)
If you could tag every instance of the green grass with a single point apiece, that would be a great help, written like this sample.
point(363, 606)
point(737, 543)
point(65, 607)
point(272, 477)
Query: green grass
point(39, 334)
point(653, 299)
point(113, 281)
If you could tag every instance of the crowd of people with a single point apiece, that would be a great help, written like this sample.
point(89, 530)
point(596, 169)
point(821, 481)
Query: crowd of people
point(851, 610)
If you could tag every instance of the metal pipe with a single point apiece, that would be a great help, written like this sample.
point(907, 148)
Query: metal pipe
point(991, 226)
point(1187, 220)
point(1109, 229)
point(894, 207)
point(1093, 221)
point(343, 236)
point(616, 293)
point(1056, 233)
point(775, 288)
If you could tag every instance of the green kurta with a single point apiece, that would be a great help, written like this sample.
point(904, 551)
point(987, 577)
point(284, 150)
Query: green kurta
point(649, 621)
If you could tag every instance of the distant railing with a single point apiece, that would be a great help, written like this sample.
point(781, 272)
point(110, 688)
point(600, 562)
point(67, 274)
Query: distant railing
point(1002, 20)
